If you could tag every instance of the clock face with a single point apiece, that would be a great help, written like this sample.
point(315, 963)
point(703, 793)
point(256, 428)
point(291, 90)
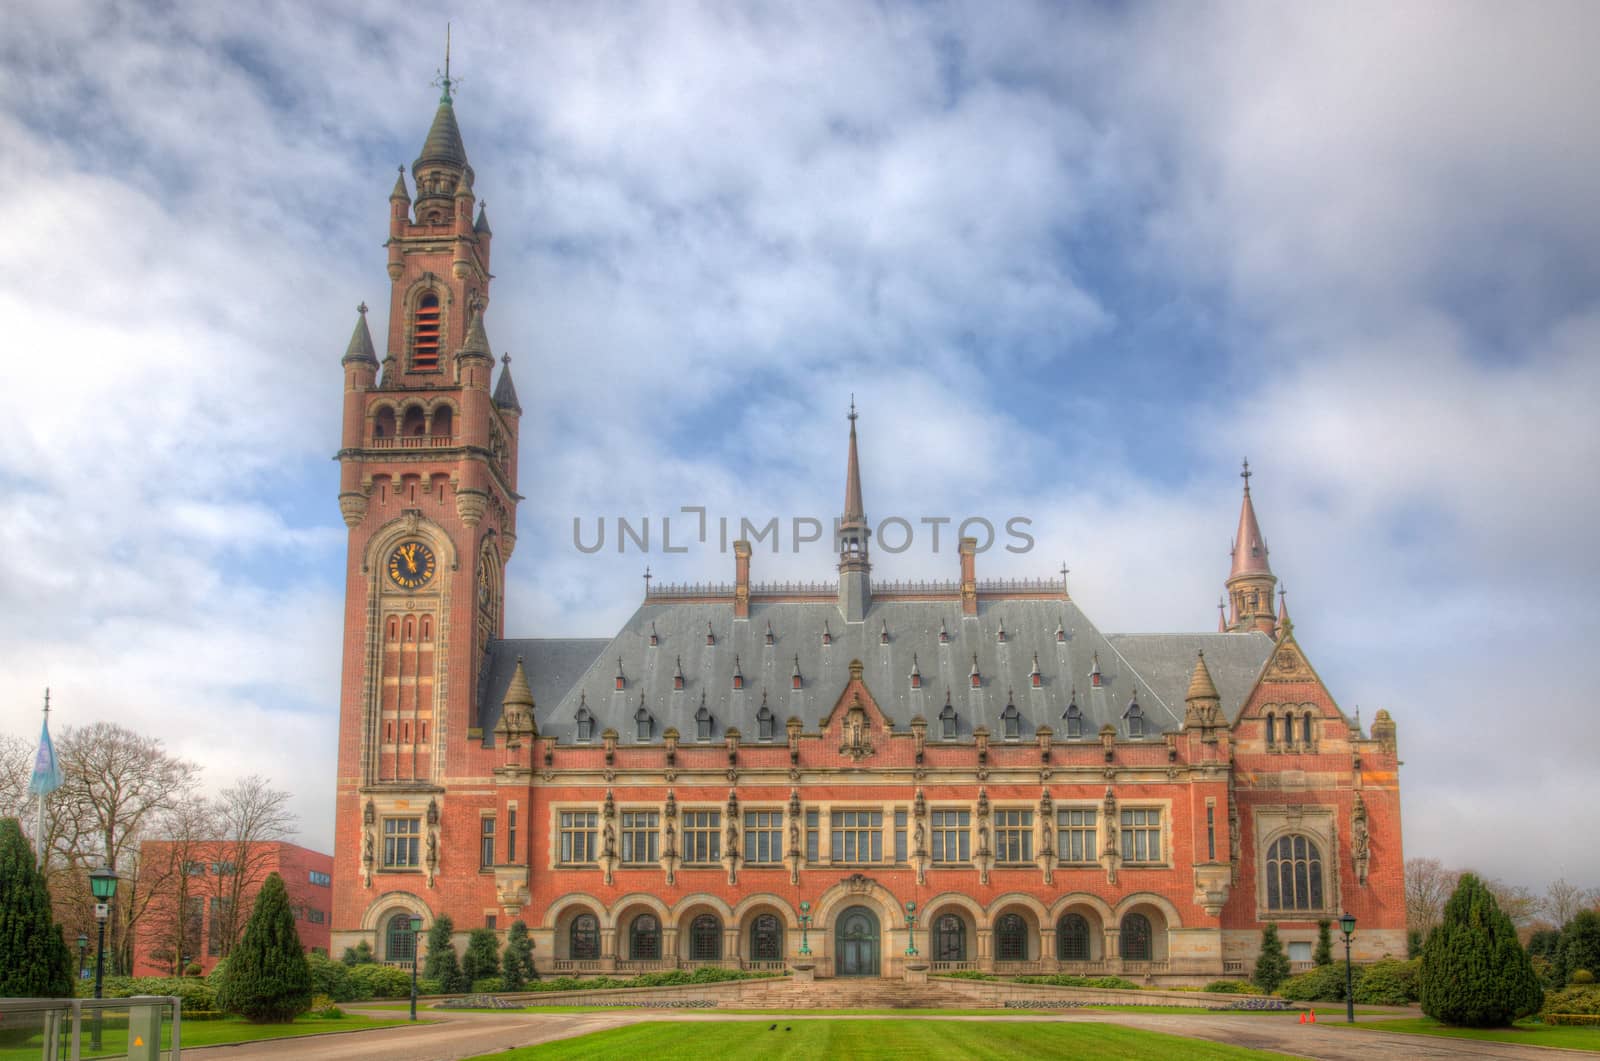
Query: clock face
point(411, 565)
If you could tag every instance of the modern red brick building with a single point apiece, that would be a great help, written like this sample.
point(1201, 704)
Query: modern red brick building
point(200, 896)
point(1038, 794)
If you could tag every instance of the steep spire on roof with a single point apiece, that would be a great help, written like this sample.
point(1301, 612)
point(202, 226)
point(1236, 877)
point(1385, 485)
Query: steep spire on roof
point(1201, 687)
point(476, 343)
point(1250, 581)
point(855, 590)
point(518, 691)
point(505, 392)
point(400, 191)
point(442, 164)
point(481, 226)
point(360, 348)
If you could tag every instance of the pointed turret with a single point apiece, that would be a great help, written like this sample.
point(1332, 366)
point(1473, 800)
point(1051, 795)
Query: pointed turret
point(481, 226)
point(360, 348)
point(516, 714)
point(505, 392)
point(442, 166)
point(476, 344)
point(855, 589)
point(1201, 687)
point(400, 193)
point(1251, 581)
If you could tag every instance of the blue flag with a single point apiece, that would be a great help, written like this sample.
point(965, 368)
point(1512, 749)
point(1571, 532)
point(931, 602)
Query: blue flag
point(46, 771)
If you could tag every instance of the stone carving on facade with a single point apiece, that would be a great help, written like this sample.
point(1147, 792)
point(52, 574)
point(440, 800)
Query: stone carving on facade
point(669, 840)
point(1359, 839)
point(856, 745)
point(433, 855)
point(1047, 854)
point(858, 884)
point(983, 857)
point(1110, 855)
point(796, 854)
point(1233, 836)
point(366, 859)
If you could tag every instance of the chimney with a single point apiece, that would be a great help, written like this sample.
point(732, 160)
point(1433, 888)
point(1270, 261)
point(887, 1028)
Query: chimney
point(969, 577)
point(741, 579)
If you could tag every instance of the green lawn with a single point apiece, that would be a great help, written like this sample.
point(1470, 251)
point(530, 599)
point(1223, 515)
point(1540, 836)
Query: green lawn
point(1526, 1033)
point(876, 1039)
point(114, 1034)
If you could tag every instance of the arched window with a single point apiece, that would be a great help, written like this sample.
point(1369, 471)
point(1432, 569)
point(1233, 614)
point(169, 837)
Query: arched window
point(1136, 938)
point(1305, 731)
point(426, 345)
point(585, 938)
point(644, 724)
point(947, 722)
point(764, 722)
point(1294, 874)
point(1135, 717)
point(644, 938)
point(705, 939)
point(585, 720)
point(1012, 721)
point(1272, 730)
point(702, 723)
point(1011, 938)
point(383, 425)
point(399, 942)
point(1072, 938)
point(1074, 718)
point(949, 939)
point(766, 939)
point(443, 422)
point(413, 422)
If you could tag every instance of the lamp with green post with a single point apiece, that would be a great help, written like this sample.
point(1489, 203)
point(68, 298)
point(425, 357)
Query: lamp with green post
point(103, 884)
point(1347, 925)
point(416, 930)
point(911, 928)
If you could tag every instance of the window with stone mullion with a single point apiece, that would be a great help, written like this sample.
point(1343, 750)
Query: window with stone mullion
point(1141, 834)
point(1077, 831)
point(1013, 835)
point(857, 836)
point(952, 836)
point(640, 833)
point(702, 836)
point(763, 837)
point(578, 829)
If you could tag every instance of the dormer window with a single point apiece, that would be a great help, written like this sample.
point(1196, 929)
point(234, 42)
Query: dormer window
point(794, 679)
point(738, 675)
point(1074, 718)
point(1135, 718)
point(1000, 637)
point(1034, 676)
point(1011, 720)
point(677, 674)
point(711, 638)
point(975, 677)
point(769, 633)
point(764, 720)
point(1061, 634)
point(426, 345)
point(944, 635)
point(916, 674)
point(827, 635)
point(883, 635)
point(622, 679)
point(644, 724)
point(654, 640)
point(703, 723)
point(947, 720)
point(585, 720)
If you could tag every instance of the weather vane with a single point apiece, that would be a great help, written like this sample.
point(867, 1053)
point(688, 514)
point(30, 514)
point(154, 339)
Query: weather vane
point(444, 79)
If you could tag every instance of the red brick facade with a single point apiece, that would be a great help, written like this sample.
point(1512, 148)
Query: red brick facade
point(454, 785)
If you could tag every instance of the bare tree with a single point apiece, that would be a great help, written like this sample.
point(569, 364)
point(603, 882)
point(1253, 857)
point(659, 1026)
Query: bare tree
point(1564, 900)
point(172, 870)
point(16, 767)
point(1428, 888)
point(251, 817)
point(117, 785)
point(1517, 903)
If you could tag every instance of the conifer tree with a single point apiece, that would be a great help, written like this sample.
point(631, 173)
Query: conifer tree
point(516, 965)
point(1579, 945)
point(442, 965)
point(34, 960)
point(1272, 965)
point(483, 956)
point(1323, 955)
point(1474, 971)
point(268, 979)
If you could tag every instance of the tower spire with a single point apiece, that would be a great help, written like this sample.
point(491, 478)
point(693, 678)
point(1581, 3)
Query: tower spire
point(1250, 579)
point(855, 592)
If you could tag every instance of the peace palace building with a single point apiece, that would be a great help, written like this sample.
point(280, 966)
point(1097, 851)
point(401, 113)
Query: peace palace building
point(745, 770)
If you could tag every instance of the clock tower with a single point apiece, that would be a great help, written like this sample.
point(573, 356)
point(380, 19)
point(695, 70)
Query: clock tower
point(427, 488)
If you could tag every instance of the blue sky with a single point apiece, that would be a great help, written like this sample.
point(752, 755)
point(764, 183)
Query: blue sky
point(1072, 261)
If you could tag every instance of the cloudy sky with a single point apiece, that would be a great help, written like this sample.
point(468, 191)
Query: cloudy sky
point(1073, 263)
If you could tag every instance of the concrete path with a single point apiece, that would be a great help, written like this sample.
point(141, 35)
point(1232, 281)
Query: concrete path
point(456, 1035)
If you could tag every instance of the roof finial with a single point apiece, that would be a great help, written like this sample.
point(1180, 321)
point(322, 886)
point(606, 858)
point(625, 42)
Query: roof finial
point(362, 309)
point(444, 80)
point(1245, 475)
point(647, 575)
point(47, 701)
point(852, 406)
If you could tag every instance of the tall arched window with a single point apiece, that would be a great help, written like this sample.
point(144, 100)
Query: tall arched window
point(1305, 731)
point(705, 939)
point(1011, 719)
point(947, 722)
point(1011, 938)
point(644, 938)
point(399, 942)
point(1136, 938)
point(1294, 874)
point(1072, 938)
point(949, 939)
point(426, 345)
point(766, 939)
point(585, 938)
point(1272, 729)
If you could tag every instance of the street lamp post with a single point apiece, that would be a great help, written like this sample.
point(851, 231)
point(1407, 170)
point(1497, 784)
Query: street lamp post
point(805, 922)
point(103, 883)
point(1347, 925)
point(83, 950)
point(911, 928)
point(416, 930)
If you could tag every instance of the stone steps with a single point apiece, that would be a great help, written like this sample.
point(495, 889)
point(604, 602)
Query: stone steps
point(864, 993)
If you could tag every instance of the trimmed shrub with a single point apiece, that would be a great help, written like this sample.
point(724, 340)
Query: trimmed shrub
point(268, 979)
point(1573, 1019)
point(360, 954)
point(329, 978)
point(516, 964)
point(488, 985)
point(442, 963)
point(218, 971)
point(378, 981)
point(1323, 955)
point(1581, 977)
point(429, 987)
point(1573, 1000)
point(34, 960)
point(1475, 973)
point(1272, 964)
point(1232, 987)
point(1325, 983)
point(482, 959)
point(1390, 982)
point(1580, 945)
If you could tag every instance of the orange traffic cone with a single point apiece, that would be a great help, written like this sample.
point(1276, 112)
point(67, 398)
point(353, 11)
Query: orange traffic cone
point(1302, 1017)
point(1313, 1019)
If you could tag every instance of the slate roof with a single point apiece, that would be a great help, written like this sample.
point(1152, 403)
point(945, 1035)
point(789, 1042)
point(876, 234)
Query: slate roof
point(1152, 668)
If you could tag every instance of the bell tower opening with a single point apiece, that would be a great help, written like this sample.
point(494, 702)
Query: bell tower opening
point(425, 356)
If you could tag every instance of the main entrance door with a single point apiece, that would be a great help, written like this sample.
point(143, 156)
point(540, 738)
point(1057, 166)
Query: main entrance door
point(857, 943)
